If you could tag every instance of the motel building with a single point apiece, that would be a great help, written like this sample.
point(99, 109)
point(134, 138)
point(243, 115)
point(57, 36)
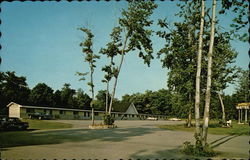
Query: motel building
point(23, 111)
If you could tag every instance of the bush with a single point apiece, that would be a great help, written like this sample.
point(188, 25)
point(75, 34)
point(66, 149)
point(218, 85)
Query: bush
point(108, 119)
point(197, 150)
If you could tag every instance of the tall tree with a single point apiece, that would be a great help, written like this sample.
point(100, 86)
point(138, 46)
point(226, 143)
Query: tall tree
point(57, 99)
point(111, 51)
point(180, 55)
point(68, 96)
point(90, 58)
point(83, 100)
point(242, 89)
point(12, 89)
point(134, 22)
point(223, 73)
point(41, 95)
point(209, 77)
point(198, 75)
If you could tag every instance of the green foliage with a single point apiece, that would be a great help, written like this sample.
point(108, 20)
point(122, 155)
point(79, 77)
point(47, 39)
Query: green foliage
point(179, 56)
point(67, 96)
point(240, 13)
point(90, 57)
point(12, 89)
point(135, 21)
point(41, 95)
point(83, 100)
point(197, 150)
point(108, 119)
point(242, 90)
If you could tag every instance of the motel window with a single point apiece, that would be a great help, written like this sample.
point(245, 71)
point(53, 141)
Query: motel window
point(50, 111)
point(30, 110)
point(75, 112)
point(125, 115)
point(133, 115)
point(84, 114)
point(88, 114)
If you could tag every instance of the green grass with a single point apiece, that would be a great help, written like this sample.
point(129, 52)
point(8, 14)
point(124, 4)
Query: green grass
point(214, 128)
point(45, 124)
point(28, 137)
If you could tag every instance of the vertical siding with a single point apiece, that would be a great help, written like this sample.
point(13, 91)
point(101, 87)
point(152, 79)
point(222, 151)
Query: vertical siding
point(14, 111)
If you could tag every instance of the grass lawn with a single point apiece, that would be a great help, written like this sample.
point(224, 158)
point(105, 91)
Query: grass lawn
point(237, 129)
point(45, 124)
point(27, 137)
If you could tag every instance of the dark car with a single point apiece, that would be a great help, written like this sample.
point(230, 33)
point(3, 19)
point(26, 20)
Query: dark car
point(9, 123)
point(38, 115)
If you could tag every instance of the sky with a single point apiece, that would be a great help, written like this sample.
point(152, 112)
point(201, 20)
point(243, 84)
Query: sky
point(40, 41)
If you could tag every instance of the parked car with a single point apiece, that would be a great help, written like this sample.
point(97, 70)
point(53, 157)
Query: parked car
point(174, 119)
point(9, 123)
point(152, 118)
point(38, 115)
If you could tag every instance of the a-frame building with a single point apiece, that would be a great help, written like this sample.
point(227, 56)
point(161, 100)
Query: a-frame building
point(131, 110)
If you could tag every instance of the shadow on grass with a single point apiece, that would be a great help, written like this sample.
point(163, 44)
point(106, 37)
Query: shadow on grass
point(222, 140)
point(27, 138)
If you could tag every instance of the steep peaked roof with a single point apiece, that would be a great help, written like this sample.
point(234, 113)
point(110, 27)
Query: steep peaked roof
point(131, 109)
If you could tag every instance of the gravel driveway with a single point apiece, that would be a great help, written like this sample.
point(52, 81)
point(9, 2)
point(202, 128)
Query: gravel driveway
point(131, 140)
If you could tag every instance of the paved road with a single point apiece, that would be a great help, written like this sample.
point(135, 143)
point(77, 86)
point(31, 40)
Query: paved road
point(131, 140)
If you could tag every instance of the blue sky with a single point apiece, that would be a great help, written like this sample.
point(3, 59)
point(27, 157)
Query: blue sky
point(40, 41)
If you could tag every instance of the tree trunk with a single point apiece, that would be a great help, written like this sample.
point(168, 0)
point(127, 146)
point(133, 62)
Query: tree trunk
point(119, 69)
point(198, 75)
point(92, 91)
point(189, 112)
point(209, 78)
point(190, 40)
point(107, 97)
point(222, 107)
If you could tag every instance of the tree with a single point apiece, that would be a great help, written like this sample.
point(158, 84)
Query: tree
point(209, 78)
point(242, 89)
point(101, 98)
point(41, 95)
point(83, 100)
point(111, 51)
point(198, 75)
point(134, 22)
point(12, 89)
point(57, 99)
point(179, 50)
point(68, 98)
point(90, 58)
point(223, 74)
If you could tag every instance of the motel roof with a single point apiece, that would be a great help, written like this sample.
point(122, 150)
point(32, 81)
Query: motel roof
point(69, 109)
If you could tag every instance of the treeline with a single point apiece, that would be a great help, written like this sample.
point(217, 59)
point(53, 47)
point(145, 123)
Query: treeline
point(15, 89)
point(163, 101)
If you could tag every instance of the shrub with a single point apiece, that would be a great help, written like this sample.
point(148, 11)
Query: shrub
point(108, 119)
point(197, 150)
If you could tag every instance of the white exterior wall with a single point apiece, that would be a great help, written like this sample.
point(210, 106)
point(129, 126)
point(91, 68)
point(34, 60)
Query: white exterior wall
point(14, 110)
